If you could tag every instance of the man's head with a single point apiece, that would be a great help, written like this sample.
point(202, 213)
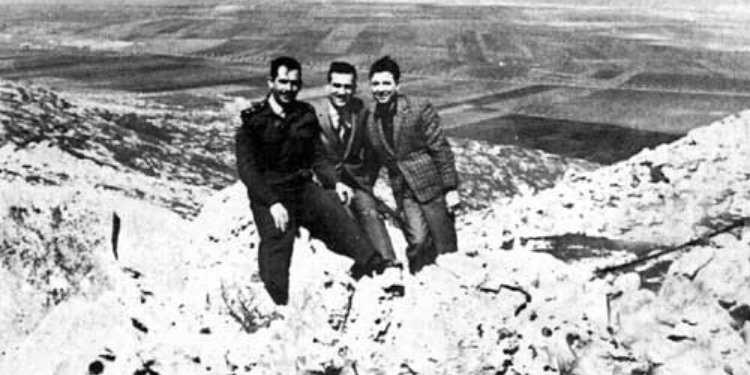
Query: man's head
point(384, 78)
point(342, 83)
point(285, 79)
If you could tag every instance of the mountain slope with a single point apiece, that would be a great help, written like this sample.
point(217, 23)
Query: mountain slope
point(666, 195)
point(106, 281)
point(187, 157)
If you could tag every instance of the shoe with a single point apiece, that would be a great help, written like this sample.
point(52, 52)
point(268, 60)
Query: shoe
point(357, 271)
point(375, 265)
point(391, 280)
point(420, 255)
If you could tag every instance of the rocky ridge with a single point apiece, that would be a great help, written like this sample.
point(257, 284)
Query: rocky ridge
point(666, 195)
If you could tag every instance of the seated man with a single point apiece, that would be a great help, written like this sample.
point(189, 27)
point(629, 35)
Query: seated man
point(343, 119)
point(278, 151)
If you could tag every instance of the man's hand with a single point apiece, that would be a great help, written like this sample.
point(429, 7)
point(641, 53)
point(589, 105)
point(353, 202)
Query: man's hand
point(280, 216)
point(344, 192)
point(452, 200)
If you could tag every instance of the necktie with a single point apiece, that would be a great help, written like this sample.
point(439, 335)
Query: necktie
point(343, 129)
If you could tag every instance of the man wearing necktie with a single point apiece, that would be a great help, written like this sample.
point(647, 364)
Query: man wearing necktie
point(343, 119)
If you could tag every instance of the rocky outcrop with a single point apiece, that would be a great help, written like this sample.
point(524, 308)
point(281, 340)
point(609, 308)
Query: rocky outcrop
point(666, 195)
point(491, 174)
point(84, 269)
point(697, 322)
point(48, 253)
point(44, 164)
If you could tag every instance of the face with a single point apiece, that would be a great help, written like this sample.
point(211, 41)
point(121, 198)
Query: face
point(341, 88)
point(384, 87)
point(286, 85)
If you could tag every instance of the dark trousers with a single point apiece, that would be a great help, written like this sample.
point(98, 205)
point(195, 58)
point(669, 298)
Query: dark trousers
point(364, 209)
point(326, 219)
point(430, 230)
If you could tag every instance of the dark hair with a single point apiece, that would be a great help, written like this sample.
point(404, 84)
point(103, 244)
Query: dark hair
point(289, 62)
point(386, 64)
point(343, 68)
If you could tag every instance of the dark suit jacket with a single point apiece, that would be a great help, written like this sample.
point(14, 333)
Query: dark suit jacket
point(421, 158)
point(355, 164)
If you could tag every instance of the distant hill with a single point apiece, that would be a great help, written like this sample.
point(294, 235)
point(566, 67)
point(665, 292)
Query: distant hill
point(645, 5)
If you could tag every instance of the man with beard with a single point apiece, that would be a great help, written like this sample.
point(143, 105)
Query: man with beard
point(343, 119)
point(278, 152)
point(406, 135)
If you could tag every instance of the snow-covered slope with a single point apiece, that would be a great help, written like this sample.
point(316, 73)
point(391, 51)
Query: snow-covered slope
point(499, 307)
point(667, 195)
point(136, 141)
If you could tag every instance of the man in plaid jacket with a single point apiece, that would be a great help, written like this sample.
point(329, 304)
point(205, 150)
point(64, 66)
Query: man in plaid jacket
point(406, 136)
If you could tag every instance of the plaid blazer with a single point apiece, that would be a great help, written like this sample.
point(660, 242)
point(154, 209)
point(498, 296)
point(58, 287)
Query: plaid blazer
point(420, 158)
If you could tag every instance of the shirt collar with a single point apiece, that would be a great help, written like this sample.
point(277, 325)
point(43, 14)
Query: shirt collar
point(332, 109)
point(388, 109)
point(335, 113)
point(276, 106)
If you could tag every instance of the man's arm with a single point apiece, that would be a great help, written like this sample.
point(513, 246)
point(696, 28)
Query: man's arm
point(325, 148)
point(438, 147)
point(247, 165)
point(325, 170)
point(371, 163)
point(323, 160)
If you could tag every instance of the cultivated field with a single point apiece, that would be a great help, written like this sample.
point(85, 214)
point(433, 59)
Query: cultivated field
point(669, 112)
point(597, 142)
point(690, 82)
point(569, 66)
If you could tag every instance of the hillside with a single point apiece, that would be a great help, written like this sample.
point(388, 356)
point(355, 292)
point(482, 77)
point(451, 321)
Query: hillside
point(116, 141)
point(109, 281)
point(127, 140)
point(690, 186)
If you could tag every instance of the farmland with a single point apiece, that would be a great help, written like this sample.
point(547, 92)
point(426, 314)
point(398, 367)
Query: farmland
point(137, 73)
point(602, 70)
point(662, 111)
point(597, 142)
point(689, 82)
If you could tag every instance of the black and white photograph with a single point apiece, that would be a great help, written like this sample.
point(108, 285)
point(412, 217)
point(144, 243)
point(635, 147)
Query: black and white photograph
point(375, 187)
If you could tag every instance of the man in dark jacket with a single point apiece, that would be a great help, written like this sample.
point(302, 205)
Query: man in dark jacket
point(343, 119)
point(406, 135)
point(278, 151)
